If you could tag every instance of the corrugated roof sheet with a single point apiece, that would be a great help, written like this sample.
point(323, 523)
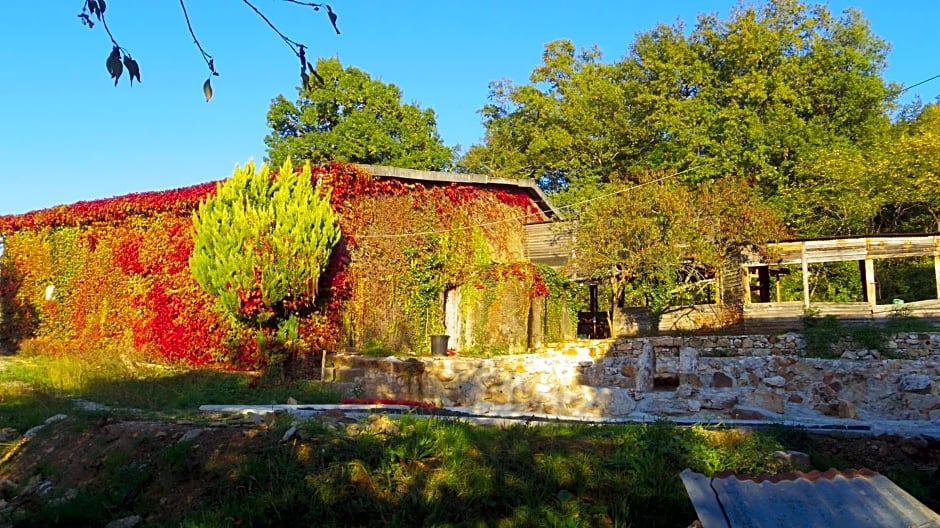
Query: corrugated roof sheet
point(831, 499)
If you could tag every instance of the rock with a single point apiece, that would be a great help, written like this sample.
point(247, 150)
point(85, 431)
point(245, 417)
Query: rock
point(846, 409)
point(795, 398)
point(766, 401)
point(718, 400)
point(775, 381)
point(189, 436)
point(839, 408)
point(125, 522)
point(56, 418)
point(382, 424)
point(6, 485)
point(796, 460)
point(254, 417)
point(86, 405)
point(746, 414)
point(33, 431)
point(353, 429)
point(291, 401)
point(720, 380)
point(291, 432)
point(919, 383)
point(8, 434)
point(688, 360)
point(646, 368)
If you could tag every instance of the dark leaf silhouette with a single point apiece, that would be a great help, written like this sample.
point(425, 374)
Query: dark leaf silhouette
point(332, 15)
point(86, 20)
point(101, 8)
point(133, 69)
point(115, 68)
point(317, 76)
point(207, 89)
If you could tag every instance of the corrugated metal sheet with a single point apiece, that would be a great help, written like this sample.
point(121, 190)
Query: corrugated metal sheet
point(832, 499)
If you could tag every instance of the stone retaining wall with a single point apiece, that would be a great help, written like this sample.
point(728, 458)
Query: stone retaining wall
point(713, 378)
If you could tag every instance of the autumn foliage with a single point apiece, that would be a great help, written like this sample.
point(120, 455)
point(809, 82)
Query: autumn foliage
point(119, 269)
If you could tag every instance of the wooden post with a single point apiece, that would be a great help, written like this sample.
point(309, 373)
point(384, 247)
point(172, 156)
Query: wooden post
point(871, 293)
point(936, 262)
point(746, 282)
point(805, 274)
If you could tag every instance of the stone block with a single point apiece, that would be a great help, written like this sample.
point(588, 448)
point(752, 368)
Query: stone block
point(919, 383)
point(718, 400)
point(720, 380)
point(771, 402)
point(775, 381)
point(742, 413)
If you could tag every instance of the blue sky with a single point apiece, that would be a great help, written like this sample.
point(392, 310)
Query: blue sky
point(67, 134)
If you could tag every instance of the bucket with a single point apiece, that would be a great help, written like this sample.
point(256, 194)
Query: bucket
point(439, 345)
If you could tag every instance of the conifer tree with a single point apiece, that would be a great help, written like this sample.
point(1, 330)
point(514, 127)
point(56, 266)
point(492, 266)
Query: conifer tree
point(262, 242)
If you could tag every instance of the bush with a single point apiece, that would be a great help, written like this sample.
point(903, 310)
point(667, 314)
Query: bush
point(262, 242)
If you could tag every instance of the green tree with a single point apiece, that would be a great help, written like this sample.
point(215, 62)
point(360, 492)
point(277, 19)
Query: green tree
point(906, 174)
point(351, 117)
point(659, 241)
point(262, 242)
point(751, 95)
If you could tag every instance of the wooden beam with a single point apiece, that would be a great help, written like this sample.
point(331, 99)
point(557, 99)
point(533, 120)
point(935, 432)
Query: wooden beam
point(936, 263)
point(805, 274)
point(870, 292)
point(746, 282)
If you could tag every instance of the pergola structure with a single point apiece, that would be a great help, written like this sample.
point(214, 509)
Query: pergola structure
point(864, 250)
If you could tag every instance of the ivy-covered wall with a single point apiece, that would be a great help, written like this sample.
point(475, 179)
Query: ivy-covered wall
point(114, 272)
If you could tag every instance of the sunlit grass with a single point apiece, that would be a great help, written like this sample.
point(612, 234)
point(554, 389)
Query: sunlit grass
point(34, 385)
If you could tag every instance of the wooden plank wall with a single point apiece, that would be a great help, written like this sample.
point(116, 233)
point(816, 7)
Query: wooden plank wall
point(549, 243)
point(778, 317)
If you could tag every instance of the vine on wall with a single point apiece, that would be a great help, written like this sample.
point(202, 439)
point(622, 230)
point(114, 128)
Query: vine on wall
point(120, 272)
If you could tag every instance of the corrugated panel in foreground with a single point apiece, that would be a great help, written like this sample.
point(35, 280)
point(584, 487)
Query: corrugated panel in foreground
point(858, 499)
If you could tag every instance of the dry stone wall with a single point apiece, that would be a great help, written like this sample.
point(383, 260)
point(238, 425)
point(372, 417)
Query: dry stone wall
point(702, 378)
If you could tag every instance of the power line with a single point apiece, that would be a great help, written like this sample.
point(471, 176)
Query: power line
point(528, 215)
point(906, 88)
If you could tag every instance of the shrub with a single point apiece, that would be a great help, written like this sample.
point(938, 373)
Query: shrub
point(262, 242)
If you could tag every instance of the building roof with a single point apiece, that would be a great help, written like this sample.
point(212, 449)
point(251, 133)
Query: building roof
point(860, 499)
point(529, 186)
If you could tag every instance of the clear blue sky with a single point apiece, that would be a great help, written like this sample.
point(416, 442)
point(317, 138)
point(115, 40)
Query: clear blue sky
point(67, 134)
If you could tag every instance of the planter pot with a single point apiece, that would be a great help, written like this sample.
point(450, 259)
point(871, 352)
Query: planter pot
point(439, 345)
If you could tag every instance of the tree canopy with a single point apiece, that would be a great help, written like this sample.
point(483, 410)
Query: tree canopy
point(351, 117)
point(658, 241)
point(751, 95)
